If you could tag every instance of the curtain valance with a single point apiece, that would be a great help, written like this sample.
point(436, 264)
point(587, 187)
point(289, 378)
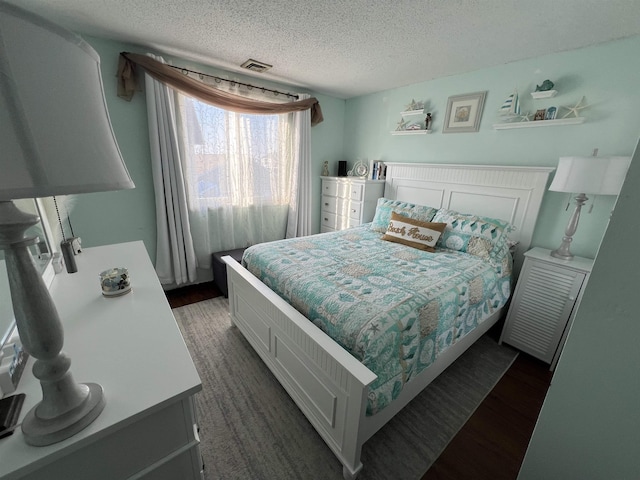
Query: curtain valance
point(194, 88)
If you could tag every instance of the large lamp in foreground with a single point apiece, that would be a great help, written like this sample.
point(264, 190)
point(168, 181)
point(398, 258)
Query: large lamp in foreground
point(56, 139)
point(586, 175)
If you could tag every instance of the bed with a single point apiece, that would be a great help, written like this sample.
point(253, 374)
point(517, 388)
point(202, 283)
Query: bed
point(344, 400)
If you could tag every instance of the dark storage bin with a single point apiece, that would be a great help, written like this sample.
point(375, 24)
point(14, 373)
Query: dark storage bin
point(220, 268)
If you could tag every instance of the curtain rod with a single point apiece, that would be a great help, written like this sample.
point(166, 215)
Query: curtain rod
point(220, 79)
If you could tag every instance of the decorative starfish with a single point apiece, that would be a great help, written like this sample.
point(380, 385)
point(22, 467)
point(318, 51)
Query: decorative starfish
point(575, 109)
point(402, 124)
point(524, 117)
point(414, 106)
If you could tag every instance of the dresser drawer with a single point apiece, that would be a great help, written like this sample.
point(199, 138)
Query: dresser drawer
point(329, 188)
point(354, 210)
point(328, 220)
point(329, 204)
point(336, 222)
point(139, 447)
point(356, 192)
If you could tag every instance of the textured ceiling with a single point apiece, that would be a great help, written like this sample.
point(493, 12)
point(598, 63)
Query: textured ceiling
point(348, 48)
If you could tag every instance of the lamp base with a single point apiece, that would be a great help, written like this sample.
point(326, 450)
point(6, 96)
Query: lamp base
point(41, 431)
point(563, 252)
point(66, 407)
point(562, 255)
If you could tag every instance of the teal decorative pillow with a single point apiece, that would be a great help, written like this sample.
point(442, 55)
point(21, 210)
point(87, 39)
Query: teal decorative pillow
point(484, 237)
point(385, 206)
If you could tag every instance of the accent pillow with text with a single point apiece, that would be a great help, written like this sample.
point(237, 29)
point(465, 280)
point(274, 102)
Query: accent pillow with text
point(414, 233)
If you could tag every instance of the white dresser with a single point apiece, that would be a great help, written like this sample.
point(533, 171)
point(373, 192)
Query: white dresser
point(132, 346)
point(348, 202)
point(544, 304)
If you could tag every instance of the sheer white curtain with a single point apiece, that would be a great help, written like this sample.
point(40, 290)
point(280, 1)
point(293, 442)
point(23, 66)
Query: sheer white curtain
point(299, 217)
point(243, 173)
point(175, 257)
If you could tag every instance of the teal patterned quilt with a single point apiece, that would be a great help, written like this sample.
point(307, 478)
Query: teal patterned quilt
point(393, 307)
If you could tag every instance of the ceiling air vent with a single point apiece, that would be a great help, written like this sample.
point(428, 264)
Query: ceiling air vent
point(256, 66)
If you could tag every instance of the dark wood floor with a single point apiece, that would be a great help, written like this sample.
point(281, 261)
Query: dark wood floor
point(192, 294)
point(492, 443)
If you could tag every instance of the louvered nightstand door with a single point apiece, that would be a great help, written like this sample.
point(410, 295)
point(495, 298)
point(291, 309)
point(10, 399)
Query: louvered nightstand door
point(544, 303)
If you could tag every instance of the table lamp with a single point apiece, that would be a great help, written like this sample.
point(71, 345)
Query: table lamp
point(56, 139)
point(586, 175)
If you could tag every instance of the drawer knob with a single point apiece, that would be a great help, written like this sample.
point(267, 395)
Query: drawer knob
point(326, 219)
point(326, 204)
point(353, 211)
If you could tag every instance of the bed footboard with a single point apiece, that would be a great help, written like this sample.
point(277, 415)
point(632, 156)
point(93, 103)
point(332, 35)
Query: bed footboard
point(328, 384)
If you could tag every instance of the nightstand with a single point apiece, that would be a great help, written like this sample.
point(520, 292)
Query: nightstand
point(348, 202)
point(544, 304)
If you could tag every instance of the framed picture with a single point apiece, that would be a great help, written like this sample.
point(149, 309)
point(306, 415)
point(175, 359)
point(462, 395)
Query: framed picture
point(551, 113)
point(540, 114)
point(464, 113)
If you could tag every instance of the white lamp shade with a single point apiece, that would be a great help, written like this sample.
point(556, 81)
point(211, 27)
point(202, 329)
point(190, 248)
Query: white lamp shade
point(590, 175)
point(55, 131)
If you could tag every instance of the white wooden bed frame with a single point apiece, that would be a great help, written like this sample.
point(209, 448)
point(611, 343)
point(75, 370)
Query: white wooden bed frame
point(328, 384)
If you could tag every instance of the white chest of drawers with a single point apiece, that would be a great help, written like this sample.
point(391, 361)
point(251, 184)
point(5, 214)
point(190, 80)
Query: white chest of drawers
point(348, 202)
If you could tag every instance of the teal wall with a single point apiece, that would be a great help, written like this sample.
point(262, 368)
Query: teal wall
point(113, 217)
point(607, 75)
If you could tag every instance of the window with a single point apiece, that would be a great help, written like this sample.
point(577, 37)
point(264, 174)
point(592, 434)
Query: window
point(239, 171)
point(235, 159)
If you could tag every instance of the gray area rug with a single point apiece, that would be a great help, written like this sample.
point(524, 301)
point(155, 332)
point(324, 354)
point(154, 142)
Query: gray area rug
point(251, 429)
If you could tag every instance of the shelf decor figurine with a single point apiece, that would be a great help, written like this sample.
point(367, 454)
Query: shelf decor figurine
point(427, 122)
point(544, 90)
point(545, 87)
point(510, 109)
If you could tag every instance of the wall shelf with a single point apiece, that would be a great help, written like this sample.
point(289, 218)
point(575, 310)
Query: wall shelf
point(539, 123)
point(545, 94)
point(413, 113)
point(410, 132)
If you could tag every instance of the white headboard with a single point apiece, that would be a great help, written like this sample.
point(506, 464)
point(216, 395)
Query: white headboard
point(508, 193)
